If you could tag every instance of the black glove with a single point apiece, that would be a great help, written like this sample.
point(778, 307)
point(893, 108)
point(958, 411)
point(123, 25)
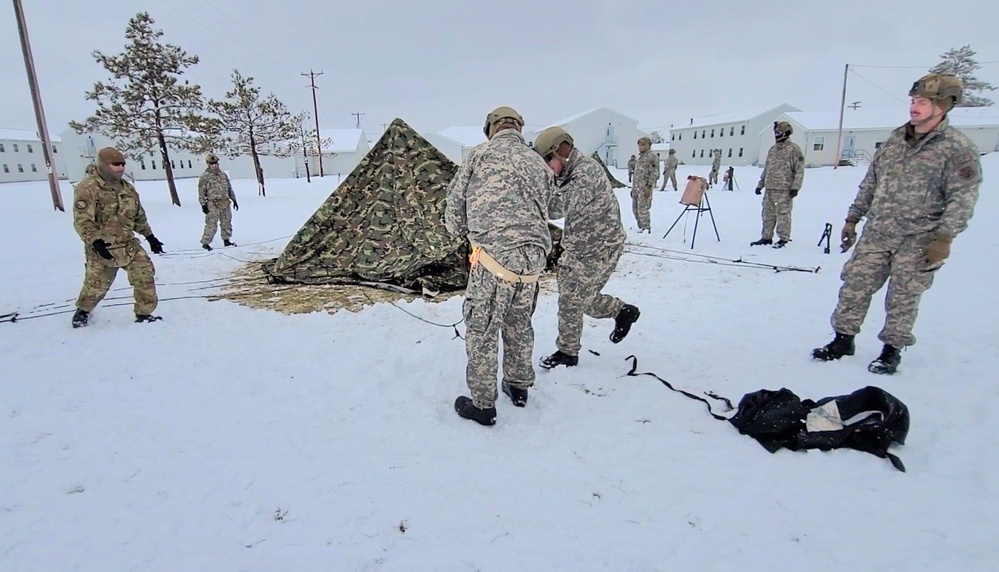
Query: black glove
point(759, 190)
point(794, 193)
point(101, 248)
point(204, 209)
point(235, 205)
point(154, 244)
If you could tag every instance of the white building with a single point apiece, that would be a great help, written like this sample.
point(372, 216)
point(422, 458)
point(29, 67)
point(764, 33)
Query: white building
point(865, 130)
point(611, 134)
point(344, 151)
point(737, 134)
point(661, 150)
point(22, 159)
point(457, 142)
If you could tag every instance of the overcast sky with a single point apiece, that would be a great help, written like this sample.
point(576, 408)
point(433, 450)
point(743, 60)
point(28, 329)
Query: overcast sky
point(438, 63)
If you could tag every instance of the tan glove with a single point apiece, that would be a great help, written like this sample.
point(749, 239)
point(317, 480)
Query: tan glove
point(848, 236)
point(937, 251)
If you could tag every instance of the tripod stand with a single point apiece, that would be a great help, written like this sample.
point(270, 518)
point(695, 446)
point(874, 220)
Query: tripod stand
point(689, 204)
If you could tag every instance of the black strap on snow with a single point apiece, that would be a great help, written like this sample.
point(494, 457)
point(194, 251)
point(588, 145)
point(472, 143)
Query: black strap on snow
point(633, 373)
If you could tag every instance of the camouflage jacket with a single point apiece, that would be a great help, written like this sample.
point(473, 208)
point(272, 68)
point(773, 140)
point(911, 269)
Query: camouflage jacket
point(214, 186)
point(499, 199)
point(631, 165)
point(716, 161)
point(914, 188)
point(108, 210)
point(646, 171)
point(592, 214)
point(785, 167)
point(671, 164)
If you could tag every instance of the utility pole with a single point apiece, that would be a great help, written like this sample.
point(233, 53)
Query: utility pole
point(358, 116)
point(36, 100)
point(315, 108)
point(384, 126)
point(839, 131)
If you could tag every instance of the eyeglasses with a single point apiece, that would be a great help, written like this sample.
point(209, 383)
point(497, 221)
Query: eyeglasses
point(213, 162)
point(118, 163)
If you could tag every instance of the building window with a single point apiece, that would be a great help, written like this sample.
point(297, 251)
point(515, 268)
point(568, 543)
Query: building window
point(54, 150)
point(1, 148)
point(740, 151)
point(154, 164)
point(731, 131)
point(142, 164)
point(742, 131)
point(189, 164)
point(729, 151)
point(712, 133)
point(172, 166)
point(703, 132)
point(15, 147)
point(5, 169)
point(693, 154)
point(680, 138)
point(33, 168)
point(20, 168)
point(819, 143)
point(721, 132)
point(672, 136)
point(878, 145)
point(30, 150)
point(695, 134)
point(702, 153)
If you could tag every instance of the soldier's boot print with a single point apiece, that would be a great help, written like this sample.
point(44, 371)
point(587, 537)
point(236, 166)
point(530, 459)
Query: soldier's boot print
point(627, 316)
point(80, 318)
point(206, 246)
point(464, 407)
point(228, 242)
point(518, 395)
point(558, 358)
point(140, 318)
point(842, 345)
point(761, 242)
point(887, 362)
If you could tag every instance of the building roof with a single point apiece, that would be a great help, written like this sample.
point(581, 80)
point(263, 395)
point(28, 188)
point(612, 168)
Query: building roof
point(730, 117)
point(465, 135)
point(571, 118)
point(859, 119)
point(25, 135)
point(664, 146)
point(342, 140)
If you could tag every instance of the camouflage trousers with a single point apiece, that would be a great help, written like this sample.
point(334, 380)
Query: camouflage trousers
point(777, 213)
point(493, 309)
point(219, 215)
point(641, 202)
point(877, 260)
point(713, 176)
point(669, 177)
point(100, 274)
point(579, 286)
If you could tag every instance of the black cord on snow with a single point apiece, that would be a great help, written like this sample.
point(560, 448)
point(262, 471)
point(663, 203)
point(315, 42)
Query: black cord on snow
point(684, 256)
point(454, 326)
point(633, 373)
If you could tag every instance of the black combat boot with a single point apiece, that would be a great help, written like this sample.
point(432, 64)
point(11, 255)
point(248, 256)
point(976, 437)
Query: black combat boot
point(781, 243)
point(228, 242)
point(139, 318)
point(206, 246)
point(558, 358)
point(762, 242)
point(627, 316)
point(80, 318)
point(842, 345)
point(518, 395)
point(464, 407)
point(887, 362)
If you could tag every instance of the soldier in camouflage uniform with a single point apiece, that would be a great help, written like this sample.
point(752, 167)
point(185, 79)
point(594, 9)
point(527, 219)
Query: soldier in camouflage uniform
point(592, 241)
point(669, 170)
point(214, 194)
point(106, 214)
point(715, 167)
point(646, 175)
point(782, 176)
point(631, 167)
point(499, 200)
point(919, 193)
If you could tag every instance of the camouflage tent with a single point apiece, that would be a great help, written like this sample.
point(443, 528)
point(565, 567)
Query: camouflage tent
point(614, 182)
point(384, 224)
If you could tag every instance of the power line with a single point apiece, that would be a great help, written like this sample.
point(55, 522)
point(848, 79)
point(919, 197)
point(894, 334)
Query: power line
point(913, 67)
point(256, 35)
point(883, 90)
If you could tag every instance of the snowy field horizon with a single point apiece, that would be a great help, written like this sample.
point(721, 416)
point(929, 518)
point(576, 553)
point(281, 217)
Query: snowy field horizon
point(230, 438)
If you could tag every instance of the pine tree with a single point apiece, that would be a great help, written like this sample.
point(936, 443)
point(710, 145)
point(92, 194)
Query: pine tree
point(247, 124)
point(657, 137)
point(145, 105)
point(961, 62)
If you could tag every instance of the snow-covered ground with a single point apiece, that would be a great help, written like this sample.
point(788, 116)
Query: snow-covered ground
point(228, 438)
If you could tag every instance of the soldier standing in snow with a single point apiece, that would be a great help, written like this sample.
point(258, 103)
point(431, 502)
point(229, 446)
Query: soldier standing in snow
point(715, 167)
point(214, 194)
point(782, 176)
point(631, 167)
point(919, 193)
point(106, 214)
point(593, 240)
point(669, 170)
point(646, 175)
point(499, 200)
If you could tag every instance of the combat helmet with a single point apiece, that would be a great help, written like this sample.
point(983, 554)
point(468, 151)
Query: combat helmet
point(550, 139)
point(782, 130)
point(946, 90)
point(500, 114)
point(211, 158)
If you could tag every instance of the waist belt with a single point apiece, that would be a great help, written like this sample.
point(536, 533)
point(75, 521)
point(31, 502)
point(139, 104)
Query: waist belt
point(480, 256)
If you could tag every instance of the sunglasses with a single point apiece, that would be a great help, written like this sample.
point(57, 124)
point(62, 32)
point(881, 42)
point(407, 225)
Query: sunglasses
point(213, 162)
point(118, 163)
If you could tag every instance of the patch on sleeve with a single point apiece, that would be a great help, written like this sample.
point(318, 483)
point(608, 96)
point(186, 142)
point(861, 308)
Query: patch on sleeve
point(81, 205)
point(966, 173)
